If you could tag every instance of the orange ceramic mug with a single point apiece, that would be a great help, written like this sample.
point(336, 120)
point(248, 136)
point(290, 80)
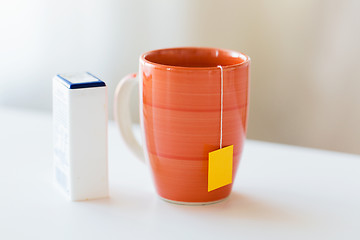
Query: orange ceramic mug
point(180, 113)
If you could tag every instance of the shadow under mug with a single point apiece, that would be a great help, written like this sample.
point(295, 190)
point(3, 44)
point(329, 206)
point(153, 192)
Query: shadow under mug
point(180, 115)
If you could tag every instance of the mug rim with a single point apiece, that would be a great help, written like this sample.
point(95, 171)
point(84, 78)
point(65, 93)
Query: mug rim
point(245, 57)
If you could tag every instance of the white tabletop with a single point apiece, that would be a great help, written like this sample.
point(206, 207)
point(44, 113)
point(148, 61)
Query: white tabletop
point(281, 192)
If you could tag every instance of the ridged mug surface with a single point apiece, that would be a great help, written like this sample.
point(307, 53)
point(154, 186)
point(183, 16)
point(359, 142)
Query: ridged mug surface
point(181, 106)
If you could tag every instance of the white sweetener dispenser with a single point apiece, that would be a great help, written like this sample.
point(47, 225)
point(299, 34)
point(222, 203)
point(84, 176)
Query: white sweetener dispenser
point(80, 119)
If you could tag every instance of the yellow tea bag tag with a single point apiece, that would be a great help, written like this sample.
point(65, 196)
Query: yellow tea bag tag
point(220, 167)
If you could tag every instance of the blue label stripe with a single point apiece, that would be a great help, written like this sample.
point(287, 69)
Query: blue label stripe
point(96, 83)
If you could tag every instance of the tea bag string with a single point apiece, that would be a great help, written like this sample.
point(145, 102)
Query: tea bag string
point(221, 103)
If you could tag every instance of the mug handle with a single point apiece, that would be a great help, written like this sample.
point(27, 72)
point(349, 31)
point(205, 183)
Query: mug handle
point(122, 113)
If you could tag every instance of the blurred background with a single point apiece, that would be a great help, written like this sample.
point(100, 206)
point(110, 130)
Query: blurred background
point(305, 75)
